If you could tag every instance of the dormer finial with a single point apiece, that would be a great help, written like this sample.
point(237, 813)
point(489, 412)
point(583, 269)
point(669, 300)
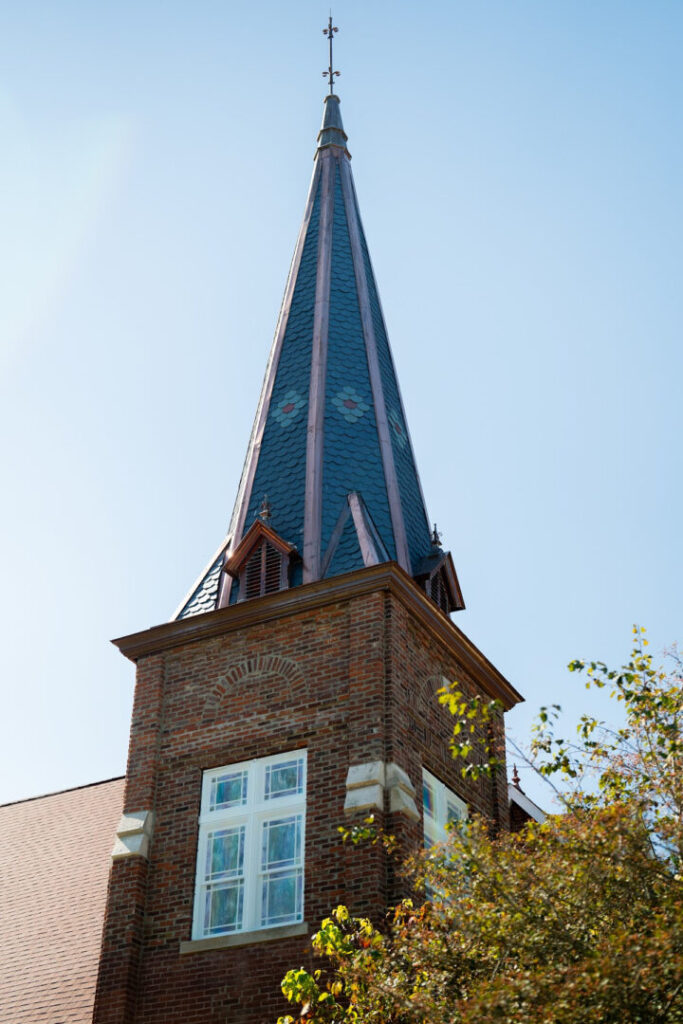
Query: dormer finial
point(436, 538)
point(330, 73)
point(265, 512)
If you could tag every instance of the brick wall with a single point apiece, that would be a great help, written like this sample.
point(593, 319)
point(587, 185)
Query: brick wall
point(352, 681)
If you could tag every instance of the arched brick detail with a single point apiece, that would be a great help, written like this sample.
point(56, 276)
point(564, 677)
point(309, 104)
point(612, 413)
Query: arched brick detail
point(261, 667)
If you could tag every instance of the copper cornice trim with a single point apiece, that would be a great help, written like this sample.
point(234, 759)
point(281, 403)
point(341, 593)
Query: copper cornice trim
point(297, 600)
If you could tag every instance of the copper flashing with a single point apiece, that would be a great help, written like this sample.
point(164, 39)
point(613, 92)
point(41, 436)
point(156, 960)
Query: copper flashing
point(255, 533)
point(316, 400)
point(393, 494)
point(398, 386)
point(453, 582)
point(368, 548)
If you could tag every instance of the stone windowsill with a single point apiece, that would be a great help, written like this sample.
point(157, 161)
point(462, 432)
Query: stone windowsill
point(285, 931)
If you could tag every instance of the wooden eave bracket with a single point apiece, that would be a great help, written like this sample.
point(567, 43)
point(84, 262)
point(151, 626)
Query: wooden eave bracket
point(257, 531)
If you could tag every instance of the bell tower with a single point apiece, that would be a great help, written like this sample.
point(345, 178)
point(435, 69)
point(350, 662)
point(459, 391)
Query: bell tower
point(294, 690)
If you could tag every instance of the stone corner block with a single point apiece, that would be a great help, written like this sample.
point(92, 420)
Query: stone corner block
point(133, 835)
point(401, 802)
point(396, 776)
point(364, 798)
point(368, 774)
point(136, 821)
point(130, 846)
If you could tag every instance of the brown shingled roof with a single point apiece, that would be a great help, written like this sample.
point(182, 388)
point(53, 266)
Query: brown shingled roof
point(54, 867)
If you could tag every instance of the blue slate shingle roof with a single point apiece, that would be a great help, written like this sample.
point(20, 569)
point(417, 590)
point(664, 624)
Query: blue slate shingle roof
point(414, 511)
point(351, 459)
point(350, 449)
point(281, 468)
point(204, 595)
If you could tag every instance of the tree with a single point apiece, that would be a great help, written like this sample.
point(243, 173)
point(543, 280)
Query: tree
point(578, 919)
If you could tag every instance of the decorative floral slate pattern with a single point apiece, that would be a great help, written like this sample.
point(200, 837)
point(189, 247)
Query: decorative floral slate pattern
point(398, 431)
point(350, 404)
point(288, 408)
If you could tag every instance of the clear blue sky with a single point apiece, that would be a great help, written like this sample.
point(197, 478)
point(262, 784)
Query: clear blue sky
point(519, 170)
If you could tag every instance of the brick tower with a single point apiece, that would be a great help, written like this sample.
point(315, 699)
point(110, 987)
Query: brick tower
point(295, 686)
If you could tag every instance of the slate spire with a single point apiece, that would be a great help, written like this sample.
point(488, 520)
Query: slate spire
point(330, 446)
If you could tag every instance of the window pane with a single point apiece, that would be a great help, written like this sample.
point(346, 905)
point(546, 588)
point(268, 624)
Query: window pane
point(428, 799)
point(225, 853)
point(281, 897)
point(442, 807)
point(453, 812)
point(223, 908)
point(281, 842)
point(229, 790)
point(284, 779)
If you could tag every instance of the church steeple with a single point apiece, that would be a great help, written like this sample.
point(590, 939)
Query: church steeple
point(330, 446)
point(295, 687)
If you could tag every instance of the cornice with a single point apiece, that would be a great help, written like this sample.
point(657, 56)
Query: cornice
point(388, 576)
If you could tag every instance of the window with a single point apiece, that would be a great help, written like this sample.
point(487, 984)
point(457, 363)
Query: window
point(441, 807)
point(250, 855)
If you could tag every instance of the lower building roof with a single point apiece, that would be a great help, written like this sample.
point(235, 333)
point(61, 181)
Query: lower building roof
point(54, 865)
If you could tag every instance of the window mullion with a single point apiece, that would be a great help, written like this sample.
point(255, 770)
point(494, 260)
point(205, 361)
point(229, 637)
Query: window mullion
point(219, 788)
point(249, 858)
point(442, 810)
point(254, 791)
point(198, 927)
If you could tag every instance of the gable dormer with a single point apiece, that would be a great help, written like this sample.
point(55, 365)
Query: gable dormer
point(436, 574)
point(260, 562)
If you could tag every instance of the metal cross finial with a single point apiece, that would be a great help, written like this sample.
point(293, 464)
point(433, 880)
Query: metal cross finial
point(330, 73)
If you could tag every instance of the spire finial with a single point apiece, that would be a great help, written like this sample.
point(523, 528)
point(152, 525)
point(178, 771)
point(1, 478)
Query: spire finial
point(515, 776)
point(330, 73)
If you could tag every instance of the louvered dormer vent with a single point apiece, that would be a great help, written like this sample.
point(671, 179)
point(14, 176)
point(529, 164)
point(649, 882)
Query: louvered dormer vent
point(438, 591)
point(264, 572)
point(436, 574)
point(260, 562)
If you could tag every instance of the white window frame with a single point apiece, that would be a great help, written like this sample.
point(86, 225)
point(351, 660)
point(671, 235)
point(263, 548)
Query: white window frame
point(446, 807)
point(250, 817)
